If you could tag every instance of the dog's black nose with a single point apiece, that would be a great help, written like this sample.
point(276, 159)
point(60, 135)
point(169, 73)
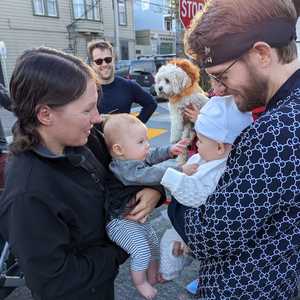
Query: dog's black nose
point(160, 88)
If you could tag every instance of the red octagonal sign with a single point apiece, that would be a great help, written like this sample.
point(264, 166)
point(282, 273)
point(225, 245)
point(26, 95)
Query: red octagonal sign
point(188, 9)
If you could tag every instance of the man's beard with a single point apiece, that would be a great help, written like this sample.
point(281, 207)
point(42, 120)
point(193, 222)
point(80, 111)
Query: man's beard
point(252, 95)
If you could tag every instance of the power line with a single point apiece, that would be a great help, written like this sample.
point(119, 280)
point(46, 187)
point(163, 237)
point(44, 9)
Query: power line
point(161, 6)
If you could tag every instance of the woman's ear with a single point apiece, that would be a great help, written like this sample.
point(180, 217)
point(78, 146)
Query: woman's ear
point(117, 149)
point(44, 115)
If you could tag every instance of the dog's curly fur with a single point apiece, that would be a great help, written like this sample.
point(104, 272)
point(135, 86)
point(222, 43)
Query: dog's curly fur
point(178, 81)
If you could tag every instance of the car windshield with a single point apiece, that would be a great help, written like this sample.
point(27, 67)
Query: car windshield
point(122, 64)
point(142, 66)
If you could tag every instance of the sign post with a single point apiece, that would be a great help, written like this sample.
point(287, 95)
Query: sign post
point(188, 9)
point(3, 57)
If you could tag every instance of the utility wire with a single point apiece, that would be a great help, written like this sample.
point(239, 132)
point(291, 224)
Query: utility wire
point(163, 7)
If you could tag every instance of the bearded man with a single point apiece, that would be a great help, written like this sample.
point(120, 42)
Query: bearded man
point(247, 235)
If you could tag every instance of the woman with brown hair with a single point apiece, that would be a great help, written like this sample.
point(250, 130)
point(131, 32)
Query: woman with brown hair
point(52, 210)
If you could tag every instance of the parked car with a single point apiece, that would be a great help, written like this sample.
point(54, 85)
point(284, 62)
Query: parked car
point(142, 70)
point(122, 68)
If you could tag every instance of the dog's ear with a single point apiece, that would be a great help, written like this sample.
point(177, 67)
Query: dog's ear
point(182, 80)
point(188, 67)
point(186, 81)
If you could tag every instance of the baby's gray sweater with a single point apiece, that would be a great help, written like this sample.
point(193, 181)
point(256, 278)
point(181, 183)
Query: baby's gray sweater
point(148, 172)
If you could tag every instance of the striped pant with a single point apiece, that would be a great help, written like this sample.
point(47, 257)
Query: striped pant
point(138, 240)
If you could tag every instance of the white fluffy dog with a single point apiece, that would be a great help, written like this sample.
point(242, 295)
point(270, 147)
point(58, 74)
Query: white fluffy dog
point(178, 81)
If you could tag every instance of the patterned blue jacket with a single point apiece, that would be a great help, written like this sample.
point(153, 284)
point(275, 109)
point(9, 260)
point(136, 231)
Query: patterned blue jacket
point(247, 235)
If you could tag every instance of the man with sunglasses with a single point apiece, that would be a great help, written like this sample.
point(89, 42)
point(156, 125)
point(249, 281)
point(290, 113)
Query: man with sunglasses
point(247, 235)
point(118, 93)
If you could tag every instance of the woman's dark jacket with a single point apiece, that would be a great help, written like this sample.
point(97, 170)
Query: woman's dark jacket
point(52, 213)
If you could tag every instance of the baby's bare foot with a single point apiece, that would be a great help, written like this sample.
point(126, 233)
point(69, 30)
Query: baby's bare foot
point(147, 291)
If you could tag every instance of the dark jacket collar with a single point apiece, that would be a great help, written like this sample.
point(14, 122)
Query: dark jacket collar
point(74, 154)
point(43, 151)
point(285, 90)
point(77, 156)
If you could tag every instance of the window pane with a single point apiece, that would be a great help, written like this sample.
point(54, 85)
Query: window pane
point(52, 8)
point(122, 12)
point(38, 7)
point(168, 23)
point(89, 9)
point(123, 18)
point(96, 9)
point(78, 7)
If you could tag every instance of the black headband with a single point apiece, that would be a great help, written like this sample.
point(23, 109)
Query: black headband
point(277, 32)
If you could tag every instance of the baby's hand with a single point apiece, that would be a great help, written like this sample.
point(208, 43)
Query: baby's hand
point(190, 169)
point(179, 147)
point(180, 248)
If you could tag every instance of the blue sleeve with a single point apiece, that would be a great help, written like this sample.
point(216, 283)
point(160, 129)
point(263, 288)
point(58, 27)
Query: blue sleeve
point(158, 154)
point(138, 173)
point(145, 100)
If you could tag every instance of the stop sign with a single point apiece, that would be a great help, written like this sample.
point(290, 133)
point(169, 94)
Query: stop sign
point(188, 9)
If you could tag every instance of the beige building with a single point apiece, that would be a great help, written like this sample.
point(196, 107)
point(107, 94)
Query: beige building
point(151, 42)
point(63, 24)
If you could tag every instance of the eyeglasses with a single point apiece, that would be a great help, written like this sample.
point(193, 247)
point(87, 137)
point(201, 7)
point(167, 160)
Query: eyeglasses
point(219, 78)
point(99, 61)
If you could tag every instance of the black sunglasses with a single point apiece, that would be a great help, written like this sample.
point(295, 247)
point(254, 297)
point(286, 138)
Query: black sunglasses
point(99, 61)
point(219, 77)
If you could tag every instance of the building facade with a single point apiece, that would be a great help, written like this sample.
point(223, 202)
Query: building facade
point(151, 42)
point(63, 24)
point(155, 27)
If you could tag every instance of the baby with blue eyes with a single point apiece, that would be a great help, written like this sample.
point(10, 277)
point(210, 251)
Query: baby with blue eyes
point(134, 164)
